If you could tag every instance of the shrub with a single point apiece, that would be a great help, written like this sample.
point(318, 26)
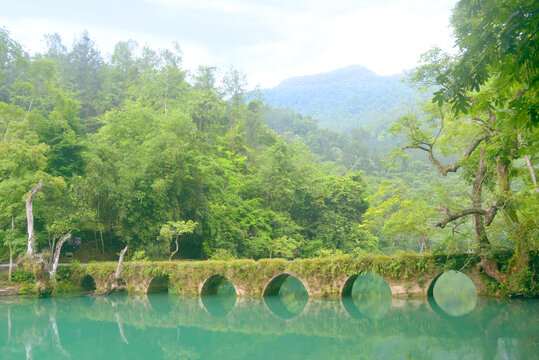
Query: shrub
point(222, 254)
point(28, 289)
point(66, 287)
point(21, 276)
point(139, 255)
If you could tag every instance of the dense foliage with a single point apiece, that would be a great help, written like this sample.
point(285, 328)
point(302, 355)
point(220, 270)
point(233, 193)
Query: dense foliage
point(130, 147)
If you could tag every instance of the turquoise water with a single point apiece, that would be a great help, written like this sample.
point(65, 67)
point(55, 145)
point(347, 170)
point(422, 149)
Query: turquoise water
point(366, 325)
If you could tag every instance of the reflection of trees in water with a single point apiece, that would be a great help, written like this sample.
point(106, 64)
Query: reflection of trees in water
point(455, 293)
point(323, 331)
point(219, 297)
point(371, 295)
point(175, 351)
point(287, 298)
point(293, 295)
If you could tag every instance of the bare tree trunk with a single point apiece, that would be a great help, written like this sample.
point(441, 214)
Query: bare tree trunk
point(479, 225)
point(59, 244)
point(102, 242)
point(502, 167)
point(10, 263)
point(11, 250)
point(120, 262)
point(115, 284)
point(532, 173)
point(166, 95)
point(423, 242)
point(30, 220)
point(530, 166)
point(175, 251)
point(29, 109)
point(420, 246)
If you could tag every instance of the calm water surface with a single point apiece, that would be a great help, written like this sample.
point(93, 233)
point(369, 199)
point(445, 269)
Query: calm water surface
point(365, 325)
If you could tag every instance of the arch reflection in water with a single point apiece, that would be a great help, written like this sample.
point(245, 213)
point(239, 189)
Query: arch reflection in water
point(218, 295)
point(286, 296)
point(161, 303)
point(452, 293)
point(366, 294)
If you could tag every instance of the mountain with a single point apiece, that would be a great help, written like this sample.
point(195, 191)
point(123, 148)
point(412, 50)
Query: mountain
point(346, 98)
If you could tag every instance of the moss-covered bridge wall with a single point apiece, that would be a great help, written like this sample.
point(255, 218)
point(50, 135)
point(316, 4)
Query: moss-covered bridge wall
point(406, 274)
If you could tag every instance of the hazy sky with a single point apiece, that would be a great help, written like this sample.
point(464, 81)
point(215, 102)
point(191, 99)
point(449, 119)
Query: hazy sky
point(269, 40)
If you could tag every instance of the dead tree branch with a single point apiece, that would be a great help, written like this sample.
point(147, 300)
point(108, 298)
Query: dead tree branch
point(120, 263)
point(59, 244)
point(30, 219)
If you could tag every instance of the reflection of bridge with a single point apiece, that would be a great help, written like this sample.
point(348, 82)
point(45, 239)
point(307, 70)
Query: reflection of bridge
point(412, 275)
point(118, 322)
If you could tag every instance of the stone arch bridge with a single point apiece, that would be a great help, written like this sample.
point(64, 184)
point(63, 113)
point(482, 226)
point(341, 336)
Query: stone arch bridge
point(406, 274)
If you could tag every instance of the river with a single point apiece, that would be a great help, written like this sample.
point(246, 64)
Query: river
point(286, 326)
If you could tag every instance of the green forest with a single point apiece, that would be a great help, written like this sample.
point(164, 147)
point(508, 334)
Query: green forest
point(347, 98)
point(132, 149)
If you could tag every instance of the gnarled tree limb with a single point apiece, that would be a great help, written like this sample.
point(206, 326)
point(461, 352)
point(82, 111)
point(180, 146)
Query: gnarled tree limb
point(175, 251)
point(532, 173)
point(445, 169)
point(488, 214)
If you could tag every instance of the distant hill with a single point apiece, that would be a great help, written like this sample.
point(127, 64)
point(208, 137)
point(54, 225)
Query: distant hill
point(346, 98)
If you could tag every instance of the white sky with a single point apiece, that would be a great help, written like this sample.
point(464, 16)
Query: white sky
point(268, 40)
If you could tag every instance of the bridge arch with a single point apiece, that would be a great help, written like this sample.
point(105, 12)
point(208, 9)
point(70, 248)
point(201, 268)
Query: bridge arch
point(210, 286)
point(286, 296)
point(158, 284)
point(273, 285)
point(452, 294)
point(87, 283)
point(366, 295)
point(218, 295)
point(346, 298)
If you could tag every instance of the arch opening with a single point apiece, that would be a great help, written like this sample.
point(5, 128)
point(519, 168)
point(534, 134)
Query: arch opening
point(286, 296)
point(366, 295)
point(218, 295)
point(348, 301)
point(87, 283)
point(159, 284)
point(452, 294)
